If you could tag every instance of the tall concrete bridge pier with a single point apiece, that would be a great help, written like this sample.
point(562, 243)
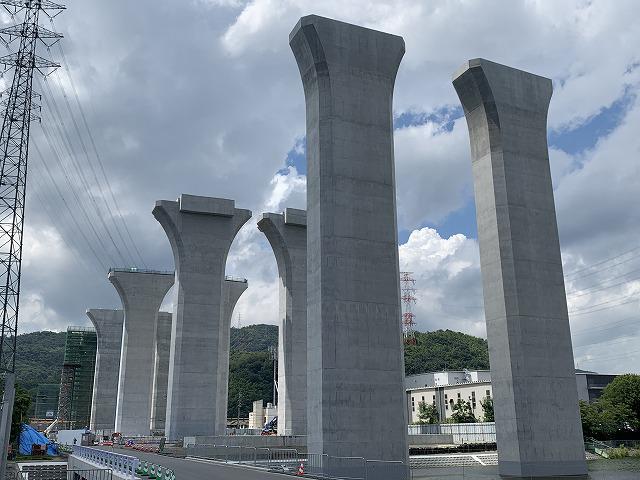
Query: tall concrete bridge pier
point(232, 290)
point(355, 366)
point(161, 372)
point(108, 325)
point(287, 234)
point(141, 293)
point(200, 231)
point(532, 371)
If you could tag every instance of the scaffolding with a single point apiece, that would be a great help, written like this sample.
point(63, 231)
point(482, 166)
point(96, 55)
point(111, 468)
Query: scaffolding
point(47, 401)
point(76, 384)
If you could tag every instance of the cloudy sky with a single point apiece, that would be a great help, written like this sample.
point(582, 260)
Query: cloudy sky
point(204, 97)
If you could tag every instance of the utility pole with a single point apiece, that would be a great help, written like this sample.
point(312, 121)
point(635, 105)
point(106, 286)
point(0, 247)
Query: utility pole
point(14, 149)
point(273, 351)
point(239, 405)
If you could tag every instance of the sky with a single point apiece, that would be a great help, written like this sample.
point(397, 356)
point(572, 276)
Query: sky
point(204, 97)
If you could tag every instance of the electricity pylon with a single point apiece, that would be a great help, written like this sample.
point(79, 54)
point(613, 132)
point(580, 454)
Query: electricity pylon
point(14, 150)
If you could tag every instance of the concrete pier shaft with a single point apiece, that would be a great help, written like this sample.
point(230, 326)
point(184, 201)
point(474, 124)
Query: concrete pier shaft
point(355, 361)
point(287, 234)
point(232, 290)
point(532, 369)
point(200, 231)
point(141, 293)
point(161, 372)
point(108, 325)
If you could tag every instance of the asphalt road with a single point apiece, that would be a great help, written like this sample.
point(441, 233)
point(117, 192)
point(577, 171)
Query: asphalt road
point(199, 470)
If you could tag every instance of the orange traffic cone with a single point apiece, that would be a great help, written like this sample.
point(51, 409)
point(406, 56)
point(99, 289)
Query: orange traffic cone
point(300, 470)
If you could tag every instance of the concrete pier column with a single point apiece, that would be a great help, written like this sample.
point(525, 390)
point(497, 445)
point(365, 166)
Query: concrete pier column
point(161, 372)
point(232, 290)
point(287, 234)
point(141, 293)
point(355, 361)
point(108, 325)
point(200, 230)
point(532, 369)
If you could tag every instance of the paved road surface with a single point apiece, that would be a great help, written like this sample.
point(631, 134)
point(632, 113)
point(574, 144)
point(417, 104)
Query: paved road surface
point(199, 470)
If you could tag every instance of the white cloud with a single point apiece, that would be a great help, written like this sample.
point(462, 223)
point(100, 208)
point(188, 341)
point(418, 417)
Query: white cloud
point(433, 172)
point(289, 190)
point(216, 109)
point(447, 274)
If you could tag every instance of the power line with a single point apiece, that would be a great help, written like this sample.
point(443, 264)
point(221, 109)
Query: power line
point(613, 341)
point(601, 262)
point(603, 268)
point(579, 312)
point(93, 171)
point(80, 229)
point(603, 327)
point(60, 125)
point(70, 241)
point(600, 287)
point(97, 154)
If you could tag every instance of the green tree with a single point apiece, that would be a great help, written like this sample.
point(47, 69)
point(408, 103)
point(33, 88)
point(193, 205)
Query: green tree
point(21, 406)
point(487, 409)
point(251, 376)
point(462, 412)
point(427, 413)
point(445, 349)
point(625, 391)
point(603, 419)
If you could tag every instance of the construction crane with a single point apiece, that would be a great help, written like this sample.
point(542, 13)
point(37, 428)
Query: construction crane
point(19, 111)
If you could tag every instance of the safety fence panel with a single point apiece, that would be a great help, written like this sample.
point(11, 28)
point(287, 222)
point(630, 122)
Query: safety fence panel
point(89, 475)
point(289, 460)
point(386, 470)
point(345, 468)
point(42, 474)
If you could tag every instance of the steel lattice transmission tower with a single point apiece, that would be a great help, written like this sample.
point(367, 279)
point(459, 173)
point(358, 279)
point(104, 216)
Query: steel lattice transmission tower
point(14, 150)
point(408, 296)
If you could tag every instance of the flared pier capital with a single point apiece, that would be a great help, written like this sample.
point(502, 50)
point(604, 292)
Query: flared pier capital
point(141, 288)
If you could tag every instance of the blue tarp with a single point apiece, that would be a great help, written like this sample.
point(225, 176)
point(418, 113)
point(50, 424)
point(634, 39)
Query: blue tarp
point(29, 436)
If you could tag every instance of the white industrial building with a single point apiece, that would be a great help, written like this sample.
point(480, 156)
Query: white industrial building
point(444, 389)
point(261, 414)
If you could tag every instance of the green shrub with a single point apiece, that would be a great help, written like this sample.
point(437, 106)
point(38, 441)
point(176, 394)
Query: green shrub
point(634, 453)
point(620, 452)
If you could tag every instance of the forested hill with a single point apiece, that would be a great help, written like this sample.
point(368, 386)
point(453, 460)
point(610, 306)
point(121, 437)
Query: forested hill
point(445, 350)
point(39, 359)
point(254, 338)
point(40, 356)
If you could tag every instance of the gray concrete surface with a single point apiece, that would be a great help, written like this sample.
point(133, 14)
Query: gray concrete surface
point(161, 372)
point(536, 406)
point(232, 290)
point(200, 231)
point(108, 325)
point(141, 293)
point(355, 386)
point(287, 235)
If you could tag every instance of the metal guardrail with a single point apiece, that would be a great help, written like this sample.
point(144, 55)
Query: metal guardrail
point(140, 270)
point(289, 460)
point(235, 279)
point(123, 464)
